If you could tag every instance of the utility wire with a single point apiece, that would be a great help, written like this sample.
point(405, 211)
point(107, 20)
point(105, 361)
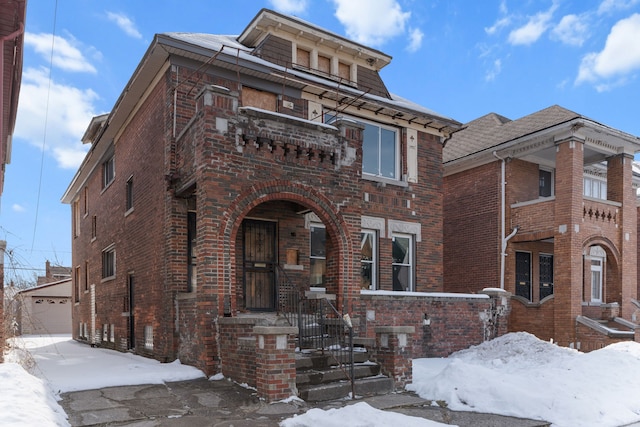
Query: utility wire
point(46, 120)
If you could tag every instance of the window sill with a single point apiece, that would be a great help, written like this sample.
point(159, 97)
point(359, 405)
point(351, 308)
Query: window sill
point(107, 279)
point(382, 181)
point(129, 212)
point(107, 186)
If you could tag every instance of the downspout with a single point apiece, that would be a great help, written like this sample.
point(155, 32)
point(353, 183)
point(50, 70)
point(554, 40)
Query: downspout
point(503, 239)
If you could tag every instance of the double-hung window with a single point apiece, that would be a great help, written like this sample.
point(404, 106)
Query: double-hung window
point(596, 188)
point(403, 267)
point(368, 260)
point(108, 171)
point(380, 151)
point(109, 262)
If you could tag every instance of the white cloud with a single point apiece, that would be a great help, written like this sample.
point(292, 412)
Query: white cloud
point(500, 23)
point(66, 55)
point(415, 39)
point(290, 6)
point(125, 24)
point(613, 5)
point(18, 208)
point(572, 30)
point(494, 71)
point(371, 23)
point(69, 112)
point(620, 56)
point(533, 29)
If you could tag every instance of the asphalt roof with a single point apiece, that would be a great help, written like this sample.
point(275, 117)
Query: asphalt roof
point(492, 130)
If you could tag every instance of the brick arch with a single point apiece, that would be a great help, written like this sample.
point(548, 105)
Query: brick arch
point(281, 190)
point(612, 272)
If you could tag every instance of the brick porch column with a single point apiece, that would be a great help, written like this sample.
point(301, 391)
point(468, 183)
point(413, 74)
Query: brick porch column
point(393, 351)
point(620, 189)
point(275, 362)
point(568, 238)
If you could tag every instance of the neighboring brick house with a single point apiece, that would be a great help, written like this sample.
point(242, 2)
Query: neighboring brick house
point(567, 250)
point(54, 273)
point(12, 20)
point(230, 161)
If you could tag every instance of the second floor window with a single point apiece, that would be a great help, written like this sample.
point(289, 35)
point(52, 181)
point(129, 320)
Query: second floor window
point(596, 188)
point(380, 150)
point(109, 262)
point(108, 172)
point(545, 183)
point(129, 195)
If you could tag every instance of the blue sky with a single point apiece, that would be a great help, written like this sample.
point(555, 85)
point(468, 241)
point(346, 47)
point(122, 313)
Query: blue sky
point(461, 58)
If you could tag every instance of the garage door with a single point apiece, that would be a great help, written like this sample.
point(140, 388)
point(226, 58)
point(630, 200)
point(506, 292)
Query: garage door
point(50, 315)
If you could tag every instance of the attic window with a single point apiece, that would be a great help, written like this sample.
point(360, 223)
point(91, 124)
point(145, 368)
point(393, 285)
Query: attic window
point(324, 64)
point(303, 58)
point(344, 71)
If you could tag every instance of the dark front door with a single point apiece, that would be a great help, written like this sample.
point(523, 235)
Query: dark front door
point(523, 275)
point(259, 262)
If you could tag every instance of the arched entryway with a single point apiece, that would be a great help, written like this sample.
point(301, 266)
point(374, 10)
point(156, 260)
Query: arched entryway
point(602, 287)
point(287, 230)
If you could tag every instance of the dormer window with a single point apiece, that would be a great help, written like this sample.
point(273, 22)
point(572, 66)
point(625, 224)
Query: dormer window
point(324, 64)
point(303, 58)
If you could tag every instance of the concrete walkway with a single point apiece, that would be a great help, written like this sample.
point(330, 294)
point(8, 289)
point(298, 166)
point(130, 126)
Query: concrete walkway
point(200, 403)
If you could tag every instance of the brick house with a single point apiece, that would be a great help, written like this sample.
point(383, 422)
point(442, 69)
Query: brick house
point(230, 163)
point(12, 20)
point(545, 207)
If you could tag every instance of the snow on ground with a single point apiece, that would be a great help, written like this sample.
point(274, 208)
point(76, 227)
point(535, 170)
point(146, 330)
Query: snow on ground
point(516, 375)
point(521, 376)
point(358, 415)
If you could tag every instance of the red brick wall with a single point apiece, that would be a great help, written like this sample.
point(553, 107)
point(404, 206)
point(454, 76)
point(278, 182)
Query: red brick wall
point(472, 229)
point(238, 347)
point(138, 236)
point(454, 322)
point(537, 319)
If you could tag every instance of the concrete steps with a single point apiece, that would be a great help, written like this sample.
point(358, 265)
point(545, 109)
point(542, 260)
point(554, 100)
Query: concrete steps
point(319, 377)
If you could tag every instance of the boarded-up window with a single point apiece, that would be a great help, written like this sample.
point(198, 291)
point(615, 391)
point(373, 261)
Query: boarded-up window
point(324, 64)
point(259, 99)
point(303, 58)
point(344, 71)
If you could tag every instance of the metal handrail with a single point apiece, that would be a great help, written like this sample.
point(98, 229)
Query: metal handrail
point(320, 325)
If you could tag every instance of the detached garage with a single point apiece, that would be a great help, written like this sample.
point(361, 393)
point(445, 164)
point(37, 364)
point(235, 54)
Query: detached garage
point(45, 309)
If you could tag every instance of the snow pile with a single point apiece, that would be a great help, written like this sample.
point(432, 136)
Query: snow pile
point(26, 401)
point(521, 376)
point(357, 415)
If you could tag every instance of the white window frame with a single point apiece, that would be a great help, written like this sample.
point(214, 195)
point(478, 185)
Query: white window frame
point(311, 256)
point(409, 262)
point(594, 187)
point(108, 171)
point(596, 278)
point(397, 152)
point(374, 256)
point(148, 337)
